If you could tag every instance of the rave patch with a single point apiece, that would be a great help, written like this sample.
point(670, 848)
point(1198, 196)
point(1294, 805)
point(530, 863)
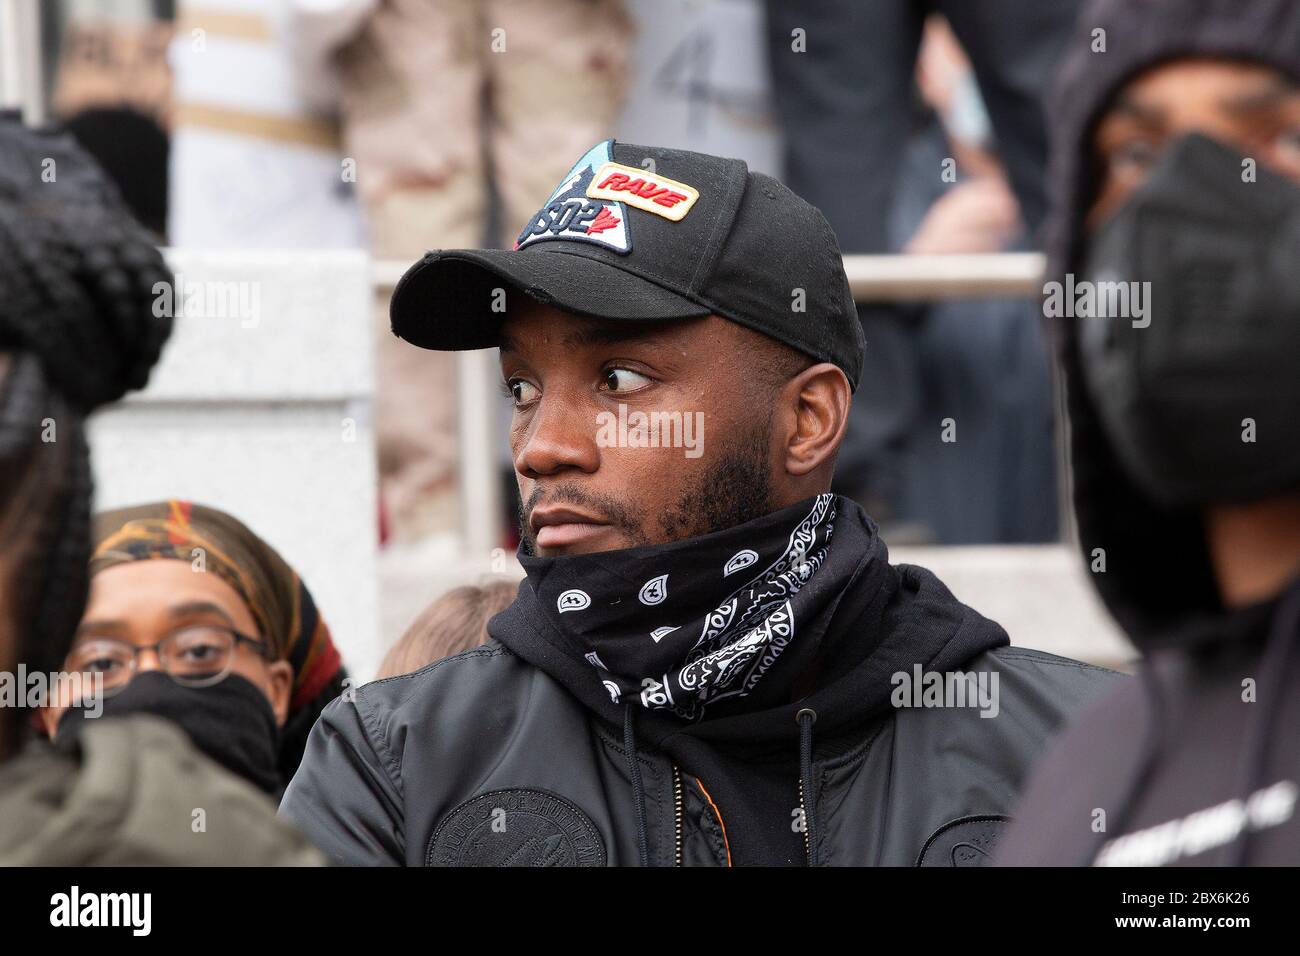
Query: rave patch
point(657, 194)
point(572, 215)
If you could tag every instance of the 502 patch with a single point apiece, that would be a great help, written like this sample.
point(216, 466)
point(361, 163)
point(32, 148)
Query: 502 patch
point(572, 215)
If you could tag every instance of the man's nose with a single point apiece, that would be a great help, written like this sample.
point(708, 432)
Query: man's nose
point(148, 660)
point(561, 436)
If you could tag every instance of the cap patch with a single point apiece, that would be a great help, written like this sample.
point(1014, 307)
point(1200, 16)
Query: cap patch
point(571, 215)
point(657, 194)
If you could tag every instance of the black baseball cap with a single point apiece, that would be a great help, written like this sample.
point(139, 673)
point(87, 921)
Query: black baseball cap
point(643, 234)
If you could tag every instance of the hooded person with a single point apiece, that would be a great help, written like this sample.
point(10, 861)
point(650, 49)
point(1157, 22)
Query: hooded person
point(1177, 177)
point(711, 660)
point(238, 654)
point(77, 331)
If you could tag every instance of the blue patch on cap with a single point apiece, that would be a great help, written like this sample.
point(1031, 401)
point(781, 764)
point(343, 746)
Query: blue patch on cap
point(570, 215)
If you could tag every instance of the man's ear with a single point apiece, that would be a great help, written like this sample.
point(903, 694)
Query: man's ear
point(280, 675)
point(817, 405)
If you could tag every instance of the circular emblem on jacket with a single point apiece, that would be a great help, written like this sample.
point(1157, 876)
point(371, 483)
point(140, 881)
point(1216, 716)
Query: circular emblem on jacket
point(966, 841)
point(517, 827)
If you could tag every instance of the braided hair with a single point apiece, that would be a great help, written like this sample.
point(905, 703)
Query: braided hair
point(78, 279)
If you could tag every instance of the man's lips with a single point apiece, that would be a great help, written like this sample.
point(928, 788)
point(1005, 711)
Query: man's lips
point(561, 527)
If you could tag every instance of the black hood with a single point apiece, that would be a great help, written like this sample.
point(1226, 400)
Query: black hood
point(1158, 581)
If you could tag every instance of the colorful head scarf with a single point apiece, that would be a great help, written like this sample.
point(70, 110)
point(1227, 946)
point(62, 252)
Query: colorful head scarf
point(280, 603)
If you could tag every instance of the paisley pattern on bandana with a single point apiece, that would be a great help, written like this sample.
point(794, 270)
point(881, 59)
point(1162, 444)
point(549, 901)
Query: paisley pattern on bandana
point(745, 636)
point(654, 629)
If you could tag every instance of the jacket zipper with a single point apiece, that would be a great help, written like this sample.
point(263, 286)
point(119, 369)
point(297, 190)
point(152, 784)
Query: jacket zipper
point(803, 811)
point(677, 816)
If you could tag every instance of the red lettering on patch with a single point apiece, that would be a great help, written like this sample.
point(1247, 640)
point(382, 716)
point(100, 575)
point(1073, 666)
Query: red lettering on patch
point(605, 220)
point(644, 188)
point(661, 196)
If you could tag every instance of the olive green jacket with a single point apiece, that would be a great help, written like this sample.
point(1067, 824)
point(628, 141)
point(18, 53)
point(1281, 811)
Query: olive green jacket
point(133, 791)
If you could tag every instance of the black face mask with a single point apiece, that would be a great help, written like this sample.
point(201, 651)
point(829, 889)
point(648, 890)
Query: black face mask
point(232, 721)
point(1201, 400)
point(692, 624)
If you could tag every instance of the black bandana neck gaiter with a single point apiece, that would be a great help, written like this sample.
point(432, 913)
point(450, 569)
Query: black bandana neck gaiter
point(232, 721)
point(686, 626)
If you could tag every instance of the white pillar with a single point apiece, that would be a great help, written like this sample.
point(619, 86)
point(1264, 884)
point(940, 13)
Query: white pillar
point(21, 81)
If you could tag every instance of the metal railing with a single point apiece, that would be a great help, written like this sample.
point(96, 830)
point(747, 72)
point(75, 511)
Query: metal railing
point(898, 278)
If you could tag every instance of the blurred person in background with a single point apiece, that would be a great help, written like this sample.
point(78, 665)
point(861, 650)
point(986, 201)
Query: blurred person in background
point(256, 155)
point(1177, 167)
point(112, 90)
point(983, 363)
point(845, 85)
point(455, 622)
point(194, 618)
point(459, 115)
point(77, 331)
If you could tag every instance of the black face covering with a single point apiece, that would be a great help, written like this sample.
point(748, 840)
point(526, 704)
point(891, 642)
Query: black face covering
point(1200, 396)
point(232, 721)
point(686, 626)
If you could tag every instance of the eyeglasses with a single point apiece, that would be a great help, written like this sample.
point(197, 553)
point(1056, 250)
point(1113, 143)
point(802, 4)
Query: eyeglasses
point(197, 655)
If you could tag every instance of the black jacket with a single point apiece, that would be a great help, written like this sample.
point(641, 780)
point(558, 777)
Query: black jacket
point(515, 755)
point(412, 772)
point(1190, 764)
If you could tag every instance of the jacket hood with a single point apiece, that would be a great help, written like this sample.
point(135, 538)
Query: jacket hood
point(1158, 580)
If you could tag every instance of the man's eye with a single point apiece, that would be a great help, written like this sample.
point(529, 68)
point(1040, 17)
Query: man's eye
point(521, 391)
point(625, 380)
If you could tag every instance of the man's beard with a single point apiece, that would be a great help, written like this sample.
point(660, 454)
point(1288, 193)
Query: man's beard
point(734, 489)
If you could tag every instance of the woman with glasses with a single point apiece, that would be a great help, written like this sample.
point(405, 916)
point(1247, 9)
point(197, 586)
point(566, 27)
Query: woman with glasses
point(194, 618)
